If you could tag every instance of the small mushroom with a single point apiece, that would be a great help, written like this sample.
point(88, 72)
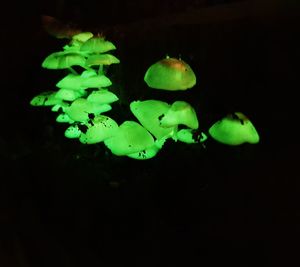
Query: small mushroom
point(46, 99)
point(72, 132)
point(81, 109)
point(101, 59)
point(130, 138)
point(99, 129)
point(102, 96)
point(234, 129)
point(97, 44)
point(68, 94)
point(148, 113)
point(170, 74)
point(191, 136)
point(180, 112)
point(63, 60)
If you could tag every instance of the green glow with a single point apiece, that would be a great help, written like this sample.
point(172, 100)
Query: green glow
point(64, 118)
point(234, 129)
point(97, 45)
point(189, 136)
point(45, 99)
point(170, 74)
point(81, 109)
point(68, 94)
point(180, 112)
point(148, 153)
point(99, 129)
point(102, 96)
point(101, 59)
point(77, 82)
point(130, 138)
point(72, 131)
point(63, 60)
point(148, 113)
point(82, 37)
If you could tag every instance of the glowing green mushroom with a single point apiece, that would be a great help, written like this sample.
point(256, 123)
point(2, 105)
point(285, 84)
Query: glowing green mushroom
point(99, 129)
point(101, 59)
point(81, 109)
point(63, 60)
point(180, 112)
point(130, 138)
point(234, 129)
point(148, 153)
point(97, 44)
point(68, 94)
point(64, 118)
point(46, 99)
point(102, 96)
point(72, 132)
point(191, 136)
point(149, 112)
point(170, 74)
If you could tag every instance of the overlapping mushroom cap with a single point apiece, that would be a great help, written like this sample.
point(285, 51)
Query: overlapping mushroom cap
point(234, 129)
point(130, 138)
point(170, 74)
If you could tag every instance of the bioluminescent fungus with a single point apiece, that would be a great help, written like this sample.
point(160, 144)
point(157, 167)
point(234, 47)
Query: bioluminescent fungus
point(148, 113)
point(69, 94)
point(130, 138)
point(102, 96)
point(101, 59)
point(46, 99)
point(81, 109)
point(170, 74)
point(97, 45)
point(180, 112)
point(234, 129)
point(73, 132)
point(191, 136)
point(99, 129)
point(63, 60)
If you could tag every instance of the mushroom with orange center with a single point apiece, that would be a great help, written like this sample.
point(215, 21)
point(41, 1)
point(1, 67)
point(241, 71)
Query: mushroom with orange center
point(170, 74)
point(234, 129)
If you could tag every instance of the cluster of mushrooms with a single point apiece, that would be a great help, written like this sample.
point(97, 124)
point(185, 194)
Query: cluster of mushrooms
point(83, 97)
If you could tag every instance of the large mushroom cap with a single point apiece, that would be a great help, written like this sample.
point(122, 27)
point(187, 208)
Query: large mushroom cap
point(234, 129)
point(130, 138)
point(170, 74)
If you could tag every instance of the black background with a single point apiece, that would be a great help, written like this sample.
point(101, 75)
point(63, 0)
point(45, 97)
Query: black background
point(66, 204)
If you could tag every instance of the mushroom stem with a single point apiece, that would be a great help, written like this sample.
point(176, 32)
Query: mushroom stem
point(100, 70)
point(72, 71)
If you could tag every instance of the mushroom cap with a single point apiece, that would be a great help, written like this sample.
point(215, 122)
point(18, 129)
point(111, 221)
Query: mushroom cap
point(72, 132)
point(234, 129)
point(148, 113)
point(68, 94)
point(170, 74)
point(82, 37)
point(101, 59)
point(97, 45)
point(46, 99)
point(64, 118)
point(77, 82)
point(99, 129)
point(190, 136)
point(180, 112)
point(81, 108)
point(130, 138)
point(102, 96)
point(63, 60)
point(148, 153)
